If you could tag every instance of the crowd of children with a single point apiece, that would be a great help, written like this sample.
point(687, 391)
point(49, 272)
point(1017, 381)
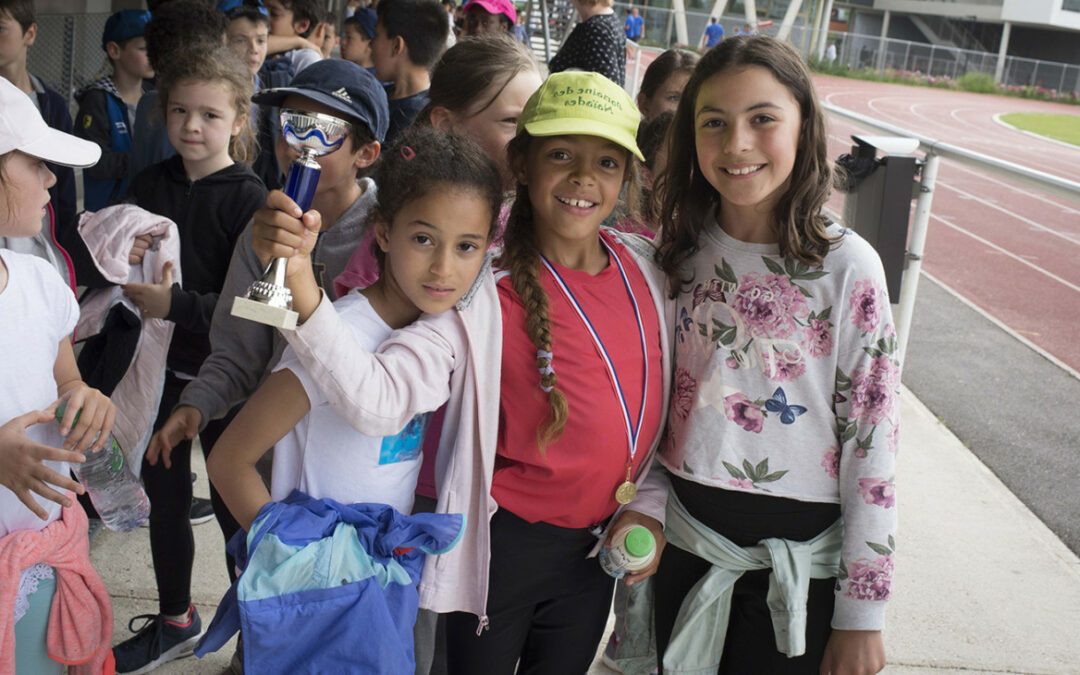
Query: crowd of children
point(532, 311)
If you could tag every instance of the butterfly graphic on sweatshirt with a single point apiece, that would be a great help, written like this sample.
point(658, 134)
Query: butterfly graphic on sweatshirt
point(779, 404)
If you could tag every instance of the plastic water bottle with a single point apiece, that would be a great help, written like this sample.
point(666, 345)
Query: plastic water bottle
point(116, 493)
point(632, 550)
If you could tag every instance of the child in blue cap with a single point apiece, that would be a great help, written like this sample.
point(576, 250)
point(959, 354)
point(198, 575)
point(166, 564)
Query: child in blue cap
point(107, 107)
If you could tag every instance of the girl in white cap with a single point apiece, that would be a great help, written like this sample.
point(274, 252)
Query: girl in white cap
point(43, 547)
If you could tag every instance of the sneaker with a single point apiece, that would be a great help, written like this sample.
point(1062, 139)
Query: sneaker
point(202, 510)
point(610, 652)
point(158, 641)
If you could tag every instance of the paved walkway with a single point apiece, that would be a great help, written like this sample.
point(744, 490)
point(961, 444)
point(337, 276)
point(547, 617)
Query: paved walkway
point(982, 585)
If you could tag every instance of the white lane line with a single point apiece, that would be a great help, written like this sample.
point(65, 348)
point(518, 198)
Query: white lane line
point(1007, 212)
point(1043, 199)
point(989, 244)
point(1001, 324)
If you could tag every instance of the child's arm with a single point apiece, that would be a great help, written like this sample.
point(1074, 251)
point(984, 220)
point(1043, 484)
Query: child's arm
point(281, 230)
point(22, 463)
point(276, 44)
point(272, 411)
point(377, 393)
point(96, 412)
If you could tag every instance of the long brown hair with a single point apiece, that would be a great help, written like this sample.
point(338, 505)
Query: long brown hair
point(521, 258)
point(472, 67)
point(687, 197)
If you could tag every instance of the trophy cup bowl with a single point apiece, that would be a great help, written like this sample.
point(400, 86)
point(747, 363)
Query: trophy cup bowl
point(268, 300)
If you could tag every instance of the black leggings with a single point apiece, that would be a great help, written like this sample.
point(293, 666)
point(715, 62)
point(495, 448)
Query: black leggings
point(172, 545)
point(547, 604)
point(746, 519)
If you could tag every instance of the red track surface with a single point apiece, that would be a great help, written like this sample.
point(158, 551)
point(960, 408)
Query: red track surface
point(1012, 250)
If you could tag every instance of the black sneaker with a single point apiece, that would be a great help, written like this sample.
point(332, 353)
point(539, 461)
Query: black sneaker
point(201, 510)
point(158, 641)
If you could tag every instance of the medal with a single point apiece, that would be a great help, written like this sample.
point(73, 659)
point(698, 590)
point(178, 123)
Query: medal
point(626, 493)
point(627, 490)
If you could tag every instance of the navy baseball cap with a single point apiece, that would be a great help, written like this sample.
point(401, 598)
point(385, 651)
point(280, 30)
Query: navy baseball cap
point(342, 86)
point(124, 25)
point(231, 7)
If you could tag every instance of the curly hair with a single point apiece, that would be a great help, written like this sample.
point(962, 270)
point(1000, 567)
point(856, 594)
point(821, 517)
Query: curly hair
point(422, 160)
point(180, 25)
point(218, 66)
point(686, 196)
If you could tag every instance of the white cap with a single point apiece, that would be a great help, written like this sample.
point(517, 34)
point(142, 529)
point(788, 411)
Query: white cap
point(22, 129)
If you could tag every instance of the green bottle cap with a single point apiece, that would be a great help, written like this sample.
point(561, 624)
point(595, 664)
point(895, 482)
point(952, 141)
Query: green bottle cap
point(639, 542)
point(60, 413)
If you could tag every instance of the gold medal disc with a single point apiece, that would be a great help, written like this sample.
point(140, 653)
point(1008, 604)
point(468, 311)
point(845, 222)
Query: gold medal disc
point(626, 493)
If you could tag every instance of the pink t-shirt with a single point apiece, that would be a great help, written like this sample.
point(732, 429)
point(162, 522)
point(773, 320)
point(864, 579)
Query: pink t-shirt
point(573, 483)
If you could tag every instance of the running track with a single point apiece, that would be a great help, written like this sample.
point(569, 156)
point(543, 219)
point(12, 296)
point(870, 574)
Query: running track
point(1012, 251)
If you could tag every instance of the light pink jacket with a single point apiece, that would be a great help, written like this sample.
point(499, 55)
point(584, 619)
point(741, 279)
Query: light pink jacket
point(109, 235)
point(81, 618)
point(379, 393)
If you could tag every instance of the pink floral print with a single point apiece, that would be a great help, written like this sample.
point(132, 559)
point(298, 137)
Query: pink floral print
point(685, 390)
point(769, 304)
point(874, 390)
point(742, 411)
point(818, 338)
point(878, 492)
point(870, 579)
point(830, 461)
point(865, 306)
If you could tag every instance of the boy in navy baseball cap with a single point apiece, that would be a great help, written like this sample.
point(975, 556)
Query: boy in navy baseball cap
point(244, 351)
point(107, 107)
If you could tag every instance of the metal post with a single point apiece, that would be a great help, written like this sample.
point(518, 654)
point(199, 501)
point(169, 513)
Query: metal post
point(905, 309)
point(68, 72)
point(1035, 73)
point(547, 30)
point(907, 54)
point(826, 17)
point(670, 18)
point(814, 27)
point(678, 8)
point(1003, 49)
point(930, 65)
point(1061, 84)
point(881, 42)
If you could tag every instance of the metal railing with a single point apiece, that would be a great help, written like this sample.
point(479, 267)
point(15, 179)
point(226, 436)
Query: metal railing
point(871, 51)
point(936, 150)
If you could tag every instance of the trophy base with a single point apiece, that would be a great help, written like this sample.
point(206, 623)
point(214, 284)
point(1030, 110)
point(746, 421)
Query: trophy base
point(252, 310)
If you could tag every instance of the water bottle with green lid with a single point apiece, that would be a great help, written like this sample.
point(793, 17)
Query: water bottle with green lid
point(632, 549)
point(116, 493)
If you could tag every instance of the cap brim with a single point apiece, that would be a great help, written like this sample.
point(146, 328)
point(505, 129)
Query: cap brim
point(63, 149)
point(571, 127)
point(275, 97)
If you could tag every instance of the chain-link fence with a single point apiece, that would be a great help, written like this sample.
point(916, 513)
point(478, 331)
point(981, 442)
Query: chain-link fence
point(67, 54)
point(869, 51)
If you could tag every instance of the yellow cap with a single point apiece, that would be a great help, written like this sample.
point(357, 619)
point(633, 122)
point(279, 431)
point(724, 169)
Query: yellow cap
point(589, 104)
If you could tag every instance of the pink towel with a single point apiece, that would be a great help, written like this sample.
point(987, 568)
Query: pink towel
point(81, 618)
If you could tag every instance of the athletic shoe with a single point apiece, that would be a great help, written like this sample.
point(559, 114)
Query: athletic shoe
point(202, 511)
point(610, 652)
point(158, 641)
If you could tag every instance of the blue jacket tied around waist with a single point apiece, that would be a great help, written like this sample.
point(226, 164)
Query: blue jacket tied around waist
point(329, 587)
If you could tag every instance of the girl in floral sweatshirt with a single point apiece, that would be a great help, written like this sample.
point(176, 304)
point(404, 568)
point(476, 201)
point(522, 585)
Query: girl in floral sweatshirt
point(785, 406)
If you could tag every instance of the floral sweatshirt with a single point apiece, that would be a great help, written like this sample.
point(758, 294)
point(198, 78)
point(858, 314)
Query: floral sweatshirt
point(787, 384)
